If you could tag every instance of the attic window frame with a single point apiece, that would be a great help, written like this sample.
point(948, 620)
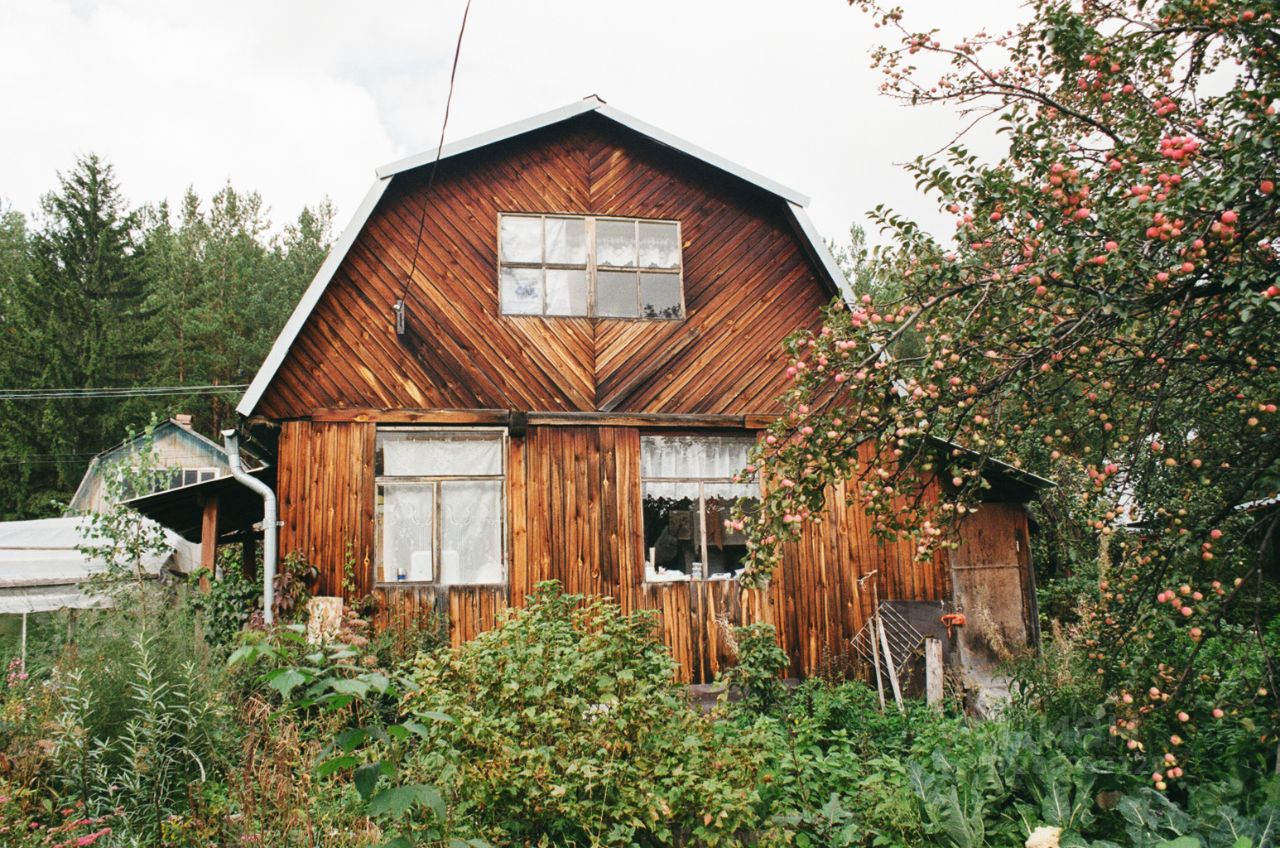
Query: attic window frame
point(591, 268)
point(165, 475)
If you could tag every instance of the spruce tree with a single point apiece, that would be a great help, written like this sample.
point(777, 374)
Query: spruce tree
point(71, 316)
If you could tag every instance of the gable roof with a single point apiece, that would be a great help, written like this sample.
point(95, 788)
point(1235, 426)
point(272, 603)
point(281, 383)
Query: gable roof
point(169, 427)
point(794, 204)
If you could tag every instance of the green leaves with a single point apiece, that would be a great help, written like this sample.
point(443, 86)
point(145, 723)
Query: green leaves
point(399, 800)
point(565, 724)
point(102, 293)
point(366, 778)
point(332, 679)
point(285, 680)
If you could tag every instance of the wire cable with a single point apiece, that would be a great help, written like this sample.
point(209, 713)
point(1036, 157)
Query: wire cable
point(119, 392)
point(431, 176)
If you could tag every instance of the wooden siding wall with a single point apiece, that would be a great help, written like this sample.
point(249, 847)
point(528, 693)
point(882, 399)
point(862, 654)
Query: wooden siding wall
point(573, 484)
point(993, 576)
point(324, 484)
point(573, 504)
point(747, 282)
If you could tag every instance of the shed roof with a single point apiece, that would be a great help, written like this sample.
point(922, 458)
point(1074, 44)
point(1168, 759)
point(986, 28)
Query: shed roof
point(42, 568)
point(793, 201)
point(181, 509)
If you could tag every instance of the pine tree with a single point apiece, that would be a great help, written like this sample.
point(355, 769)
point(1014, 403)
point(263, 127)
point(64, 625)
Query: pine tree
point(71, 317)
point(220, 287)
point(99, 294)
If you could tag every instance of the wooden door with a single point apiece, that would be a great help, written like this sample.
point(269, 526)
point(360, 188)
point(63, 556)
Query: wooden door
point(991, 586)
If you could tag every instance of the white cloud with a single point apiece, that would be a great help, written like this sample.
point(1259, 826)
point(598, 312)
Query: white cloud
point(300, 100)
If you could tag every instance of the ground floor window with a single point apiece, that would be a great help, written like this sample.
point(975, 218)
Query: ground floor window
point(688, 492)
point(440, 507)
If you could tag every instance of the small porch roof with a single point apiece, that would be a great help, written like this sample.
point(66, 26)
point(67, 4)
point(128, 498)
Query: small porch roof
point(182, 509)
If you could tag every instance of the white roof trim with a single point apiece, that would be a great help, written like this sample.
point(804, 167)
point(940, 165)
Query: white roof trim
point(593, 104)
point(502, 133)
point(824, 257)
point(275, 358)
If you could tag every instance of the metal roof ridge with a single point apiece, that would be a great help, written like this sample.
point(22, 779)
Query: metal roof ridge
point(581, 107)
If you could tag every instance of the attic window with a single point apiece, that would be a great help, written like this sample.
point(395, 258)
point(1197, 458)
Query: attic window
point(161, 480)
point(590, 267)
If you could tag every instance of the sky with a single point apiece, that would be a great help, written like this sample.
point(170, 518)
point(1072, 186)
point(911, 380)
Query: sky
point(302, 99)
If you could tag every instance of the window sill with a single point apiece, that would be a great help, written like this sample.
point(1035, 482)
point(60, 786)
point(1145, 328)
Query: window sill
point(659, 579)
point(429, 584)
point(633, 319)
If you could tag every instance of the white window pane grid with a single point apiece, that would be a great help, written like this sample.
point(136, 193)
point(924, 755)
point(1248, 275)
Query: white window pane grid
point(566, 241)
point(616, 294)
point(688, 492)
point(470, 532)
point(590, 267)
point(439, 454)
point(567, 292)
point(659, 245)
point(616, 244)
point(440, 507)
point(521, 291)
point(406, 519)
point(521, 239)
point(694, 457)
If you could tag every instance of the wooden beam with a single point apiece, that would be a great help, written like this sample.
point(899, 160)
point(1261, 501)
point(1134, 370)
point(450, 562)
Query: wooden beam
point(501, 417)
point(759, 422)
point(933, 672)
point(411, 416)
point(208, 540)
point(889, 663)
point(635, 419)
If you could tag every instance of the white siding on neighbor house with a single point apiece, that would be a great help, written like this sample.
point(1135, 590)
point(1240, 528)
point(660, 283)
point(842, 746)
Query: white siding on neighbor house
point(174, 446)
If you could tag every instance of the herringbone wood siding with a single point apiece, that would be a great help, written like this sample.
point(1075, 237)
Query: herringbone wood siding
point(747, 281)
point(573, 492)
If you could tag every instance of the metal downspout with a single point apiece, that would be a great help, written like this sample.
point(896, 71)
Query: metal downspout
point(269, 523)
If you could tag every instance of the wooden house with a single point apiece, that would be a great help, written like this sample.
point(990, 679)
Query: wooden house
point(544, 352)
point(188, 456)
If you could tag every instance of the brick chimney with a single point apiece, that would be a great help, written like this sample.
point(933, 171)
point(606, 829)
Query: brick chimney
point(183, 421)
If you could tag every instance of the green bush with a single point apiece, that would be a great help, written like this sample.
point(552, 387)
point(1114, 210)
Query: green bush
point(143, 750)
point(756, 678)
point(838, 773)
point(565, 727)
point(230, 602)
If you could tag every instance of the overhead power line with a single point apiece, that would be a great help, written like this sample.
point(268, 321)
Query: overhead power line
point(398, 307)
point(119, 392)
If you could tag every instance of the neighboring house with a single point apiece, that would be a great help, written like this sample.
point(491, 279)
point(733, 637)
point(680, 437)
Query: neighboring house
point(42, 566)
point(548, 360)
point(188, 456)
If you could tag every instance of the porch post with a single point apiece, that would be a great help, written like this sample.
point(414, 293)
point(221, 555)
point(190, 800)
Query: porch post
point(209, 541)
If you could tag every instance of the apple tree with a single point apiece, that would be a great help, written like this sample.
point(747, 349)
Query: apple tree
point(1106, 313)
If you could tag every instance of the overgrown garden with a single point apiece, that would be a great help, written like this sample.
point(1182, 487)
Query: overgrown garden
point(564, 726)
point(1105, 316)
